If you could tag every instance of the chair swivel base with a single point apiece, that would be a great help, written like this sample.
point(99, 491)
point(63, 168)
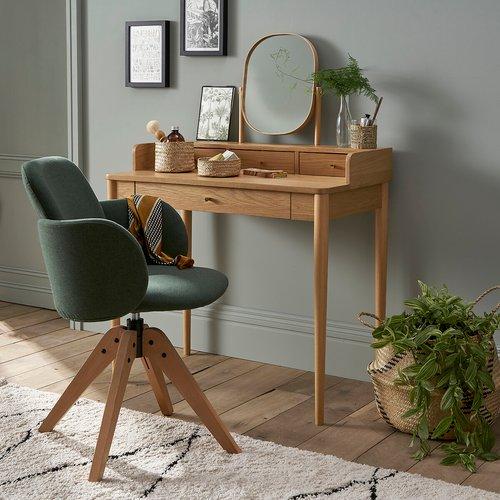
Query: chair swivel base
point(122, 345)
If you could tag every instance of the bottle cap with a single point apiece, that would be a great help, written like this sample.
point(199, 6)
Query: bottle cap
point(176, 127)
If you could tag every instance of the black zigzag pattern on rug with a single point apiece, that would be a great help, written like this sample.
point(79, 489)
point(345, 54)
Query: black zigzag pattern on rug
point(372, 482)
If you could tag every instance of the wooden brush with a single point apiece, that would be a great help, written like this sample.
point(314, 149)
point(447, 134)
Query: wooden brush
point(376, 110)
point(153, 127)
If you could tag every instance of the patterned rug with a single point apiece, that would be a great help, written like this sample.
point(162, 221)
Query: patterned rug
point(160, 457)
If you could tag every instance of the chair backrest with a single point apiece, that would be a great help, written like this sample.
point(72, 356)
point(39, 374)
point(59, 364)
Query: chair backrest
point(58, 189)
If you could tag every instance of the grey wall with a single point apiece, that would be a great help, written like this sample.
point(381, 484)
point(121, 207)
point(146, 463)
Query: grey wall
point(32, 123)
point(437, 66)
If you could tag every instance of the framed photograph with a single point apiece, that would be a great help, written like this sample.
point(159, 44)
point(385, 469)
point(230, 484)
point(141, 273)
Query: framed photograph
point(214, 119)
point(147, 54)
point(203, 27)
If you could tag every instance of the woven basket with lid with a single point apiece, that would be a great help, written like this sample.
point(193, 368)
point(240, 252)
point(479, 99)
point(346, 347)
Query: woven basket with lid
point(174, 156)
point(394, 400)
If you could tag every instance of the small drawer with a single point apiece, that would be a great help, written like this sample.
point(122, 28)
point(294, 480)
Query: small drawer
point(221, 200)
point(332, 164)
point(269, 160)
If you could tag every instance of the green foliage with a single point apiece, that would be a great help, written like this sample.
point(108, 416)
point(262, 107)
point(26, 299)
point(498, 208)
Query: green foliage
point(345, 81)
point(451, 346)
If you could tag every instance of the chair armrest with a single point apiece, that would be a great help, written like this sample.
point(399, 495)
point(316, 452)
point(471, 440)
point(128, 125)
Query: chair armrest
point(174, 237)
point(96, 268)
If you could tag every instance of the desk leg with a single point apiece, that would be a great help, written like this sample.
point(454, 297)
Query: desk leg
point(321, 223)
point(186, 315)
point(381, 232)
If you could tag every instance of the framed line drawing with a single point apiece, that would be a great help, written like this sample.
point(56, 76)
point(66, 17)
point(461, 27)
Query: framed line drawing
point(147, 54)
point(214, 118)
point(203, 28)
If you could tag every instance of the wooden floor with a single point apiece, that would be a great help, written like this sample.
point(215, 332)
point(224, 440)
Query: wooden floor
point(37, 349)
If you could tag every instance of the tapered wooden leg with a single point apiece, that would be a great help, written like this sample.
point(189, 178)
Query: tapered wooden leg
point(321, 223)
point(159, 349)
point(155, 376)
point(186, 315)
point(99, 359)
point(124, 359)
point(381, 234)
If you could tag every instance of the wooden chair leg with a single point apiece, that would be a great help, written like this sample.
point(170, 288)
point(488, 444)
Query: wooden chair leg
point(160, 350)
point(123, 363)
point(155, 376)
point(102, 355)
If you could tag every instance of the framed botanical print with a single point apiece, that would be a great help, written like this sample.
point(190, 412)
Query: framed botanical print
point(147, 54)
point(203, 27)
point(214, 119)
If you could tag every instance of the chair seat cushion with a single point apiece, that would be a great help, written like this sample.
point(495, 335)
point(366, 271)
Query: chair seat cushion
point(172, 289)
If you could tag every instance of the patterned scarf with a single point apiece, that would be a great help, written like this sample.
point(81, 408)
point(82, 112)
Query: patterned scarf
point(145, 224)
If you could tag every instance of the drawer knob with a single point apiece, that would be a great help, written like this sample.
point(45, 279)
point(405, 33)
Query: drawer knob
point(208, 198)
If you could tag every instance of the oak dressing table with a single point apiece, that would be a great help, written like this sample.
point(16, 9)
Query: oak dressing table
point(323, 183)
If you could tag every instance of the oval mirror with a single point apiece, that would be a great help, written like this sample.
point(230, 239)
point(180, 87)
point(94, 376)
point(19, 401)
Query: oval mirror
point(278, 94)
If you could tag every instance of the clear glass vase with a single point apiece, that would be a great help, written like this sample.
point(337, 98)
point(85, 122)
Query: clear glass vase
point(344, 123)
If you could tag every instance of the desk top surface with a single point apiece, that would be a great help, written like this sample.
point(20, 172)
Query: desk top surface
point(294, 183)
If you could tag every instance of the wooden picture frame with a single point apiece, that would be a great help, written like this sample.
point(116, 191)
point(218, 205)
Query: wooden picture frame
point(226, 128)
point(188, 47)
point(140, 44)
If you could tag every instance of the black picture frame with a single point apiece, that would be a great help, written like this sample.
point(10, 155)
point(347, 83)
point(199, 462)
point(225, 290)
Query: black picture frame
point(222, 50)
point(165, 56)
point(226, 138)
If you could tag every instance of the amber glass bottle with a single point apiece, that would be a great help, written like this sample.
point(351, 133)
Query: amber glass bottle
point(175, 135)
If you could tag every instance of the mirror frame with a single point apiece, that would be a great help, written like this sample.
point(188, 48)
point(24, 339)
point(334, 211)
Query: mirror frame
point(315, 94)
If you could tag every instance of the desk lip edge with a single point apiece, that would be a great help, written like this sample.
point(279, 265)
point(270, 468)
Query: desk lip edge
point(132, 176)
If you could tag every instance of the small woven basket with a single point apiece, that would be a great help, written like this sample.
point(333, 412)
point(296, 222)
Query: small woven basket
point(218, 168)
point(174, 156)
point(363, 137)
point(394, 400)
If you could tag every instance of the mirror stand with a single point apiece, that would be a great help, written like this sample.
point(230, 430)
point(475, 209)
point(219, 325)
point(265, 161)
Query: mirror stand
point(318, 93)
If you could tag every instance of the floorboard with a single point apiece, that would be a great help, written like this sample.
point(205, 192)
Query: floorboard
point(274, 403)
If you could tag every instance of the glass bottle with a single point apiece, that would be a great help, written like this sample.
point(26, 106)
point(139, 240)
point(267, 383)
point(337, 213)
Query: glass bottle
point(175, 135)
point(343, 123)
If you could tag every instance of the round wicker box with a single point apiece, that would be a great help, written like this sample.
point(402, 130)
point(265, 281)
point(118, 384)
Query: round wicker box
point(174, 156)
point(218, 168)
point(363, 137)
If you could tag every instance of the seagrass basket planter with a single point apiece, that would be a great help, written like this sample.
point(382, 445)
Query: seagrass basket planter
point(218, 168)
point(174, 156)
point(393, 400)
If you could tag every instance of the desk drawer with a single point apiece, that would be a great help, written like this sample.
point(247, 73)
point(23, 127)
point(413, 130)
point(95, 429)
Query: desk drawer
point(331, 164)
point(221, 200)
point(269, 160)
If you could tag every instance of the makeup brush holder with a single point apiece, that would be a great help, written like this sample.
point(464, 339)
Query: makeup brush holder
point(363, 136)
point(174, 156)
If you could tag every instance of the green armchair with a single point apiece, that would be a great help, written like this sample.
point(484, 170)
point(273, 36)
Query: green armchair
point(98, 272)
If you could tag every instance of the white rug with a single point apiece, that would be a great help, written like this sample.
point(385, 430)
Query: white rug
point(160, 457)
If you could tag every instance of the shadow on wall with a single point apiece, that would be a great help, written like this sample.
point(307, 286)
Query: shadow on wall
point(437, 186)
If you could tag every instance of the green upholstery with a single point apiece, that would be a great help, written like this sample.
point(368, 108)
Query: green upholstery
point(172, 289)
point(96, 268)
point(59, 190)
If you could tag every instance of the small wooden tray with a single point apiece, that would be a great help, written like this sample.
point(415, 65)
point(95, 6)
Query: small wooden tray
point(261, 172)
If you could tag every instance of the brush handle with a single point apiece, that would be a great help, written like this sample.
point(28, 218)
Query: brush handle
point(376, 110)
point(160, 135)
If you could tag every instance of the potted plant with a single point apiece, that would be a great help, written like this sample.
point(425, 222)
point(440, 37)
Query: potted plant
point(435, 374)
point(343, 82)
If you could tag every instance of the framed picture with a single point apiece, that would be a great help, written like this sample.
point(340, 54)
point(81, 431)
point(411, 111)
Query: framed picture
point(147, 53)
point(203, 27)
point(214, 119)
